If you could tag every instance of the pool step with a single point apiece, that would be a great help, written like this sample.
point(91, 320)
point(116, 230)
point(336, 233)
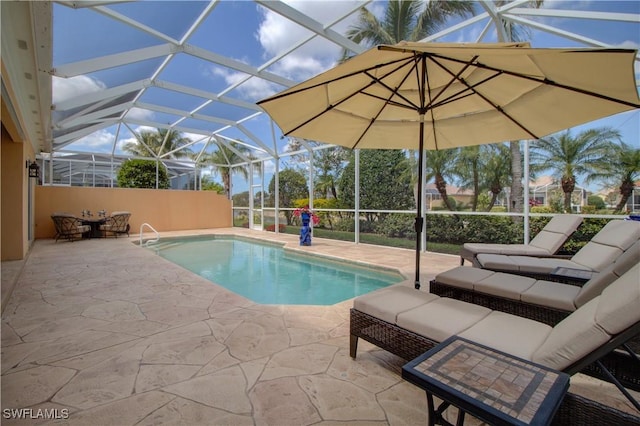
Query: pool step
point(162, 245)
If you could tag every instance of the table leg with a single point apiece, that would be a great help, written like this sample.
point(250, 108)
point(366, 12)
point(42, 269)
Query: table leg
point(430, 410)
point(436, 416)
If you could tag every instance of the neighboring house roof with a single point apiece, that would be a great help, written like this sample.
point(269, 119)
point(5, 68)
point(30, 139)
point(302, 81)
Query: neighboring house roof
point(451, 189)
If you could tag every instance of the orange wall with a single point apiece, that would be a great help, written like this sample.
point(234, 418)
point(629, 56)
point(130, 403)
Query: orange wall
point(14, 198)
point(165, 210)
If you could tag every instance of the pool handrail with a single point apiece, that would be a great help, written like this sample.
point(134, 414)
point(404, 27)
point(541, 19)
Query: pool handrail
point(149, 241)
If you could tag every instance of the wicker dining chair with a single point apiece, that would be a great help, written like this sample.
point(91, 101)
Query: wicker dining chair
point(68, 226)
point(116, 224)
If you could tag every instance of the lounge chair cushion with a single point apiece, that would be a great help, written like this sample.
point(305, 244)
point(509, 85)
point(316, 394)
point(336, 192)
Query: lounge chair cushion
point(386, 304)
point(463, 276)
point(504, 285)
point(596, 257)
point(498, 262)
point(591, 326)
point(531, 264)
point(522, 249)
point(546, 242)
point(572, 338)
point(552, 294)
point(597, 284)
point(442, 318)
point(565, 224)
point(619, 305)
point(556, 232)
point(508, 333)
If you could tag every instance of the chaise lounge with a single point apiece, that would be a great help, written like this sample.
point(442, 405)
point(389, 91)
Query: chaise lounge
point(545, 244)
point(612, 240)
point(408, 322)
point(545, 301)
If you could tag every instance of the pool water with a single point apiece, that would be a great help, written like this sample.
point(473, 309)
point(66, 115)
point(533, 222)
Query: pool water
point(268, 274)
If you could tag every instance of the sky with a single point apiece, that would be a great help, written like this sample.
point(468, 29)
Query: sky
point(253, 35)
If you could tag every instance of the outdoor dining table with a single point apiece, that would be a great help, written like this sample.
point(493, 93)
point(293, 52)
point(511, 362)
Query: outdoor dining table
point(95, 223)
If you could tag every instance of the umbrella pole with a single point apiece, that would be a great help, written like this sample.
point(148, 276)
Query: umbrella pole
point(419, 220)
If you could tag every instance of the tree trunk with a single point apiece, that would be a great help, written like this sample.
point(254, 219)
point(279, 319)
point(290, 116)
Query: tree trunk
point(568, 185)
point(626, 189)
point(476, 187)
point(517, 199)
point(496, 188)
point(441, 186)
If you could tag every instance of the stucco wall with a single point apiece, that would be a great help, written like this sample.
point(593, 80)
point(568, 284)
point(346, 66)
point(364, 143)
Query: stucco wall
point(165, 210)
point(14, 181)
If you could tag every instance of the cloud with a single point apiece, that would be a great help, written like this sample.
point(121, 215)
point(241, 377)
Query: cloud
point(68, 88)
point(99, 141)
point(251, 90)
point(277, 34)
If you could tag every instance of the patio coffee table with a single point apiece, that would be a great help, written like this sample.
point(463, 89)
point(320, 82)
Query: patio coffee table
point(491, 385)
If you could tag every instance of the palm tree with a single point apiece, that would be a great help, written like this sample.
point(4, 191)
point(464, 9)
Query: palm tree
point(408, 20)
point(468, 166)
point(328, 164)
point(623, 168)
point(440, 167)
point(155, 143)
point(497, 170)
point(405, 20)
point(222, 159)
point(569, 156)
point(509, 31)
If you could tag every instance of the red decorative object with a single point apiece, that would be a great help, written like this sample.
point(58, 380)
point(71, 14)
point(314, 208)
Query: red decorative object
point(305, 209)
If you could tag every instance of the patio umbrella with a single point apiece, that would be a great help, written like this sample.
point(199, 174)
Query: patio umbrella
point(438, 96)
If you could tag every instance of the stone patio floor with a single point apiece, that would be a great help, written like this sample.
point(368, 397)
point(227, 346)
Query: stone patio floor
point(104, 332)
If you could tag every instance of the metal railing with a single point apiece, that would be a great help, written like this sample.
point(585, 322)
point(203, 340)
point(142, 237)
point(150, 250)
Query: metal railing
point(148, 242)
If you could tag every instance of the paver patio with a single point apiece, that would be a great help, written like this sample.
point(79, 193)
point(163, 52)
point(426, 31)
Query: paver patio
point(113, 334)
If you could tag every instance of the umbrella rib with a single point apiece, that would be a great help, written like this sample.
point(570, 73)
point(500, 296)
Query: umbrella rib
point(403, 62)
point(393, 92)
point(483, 97)
point(461, 94)
point(371, 83)
point(543, 80)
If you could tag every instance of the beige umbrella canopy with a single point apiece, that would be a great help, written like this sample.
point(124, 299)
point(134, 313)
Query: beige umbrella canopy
point(438, 96)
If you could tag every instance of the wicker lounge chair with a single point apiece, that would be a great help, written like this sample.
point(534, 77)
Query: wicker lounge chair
point(612, 240)
point(117, 224)
point(545, 301)
point(545, 244)
point(408, 322)
point(68, 226)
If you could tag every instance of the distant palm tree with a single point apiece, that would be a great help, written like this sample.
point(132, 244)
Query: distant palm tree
point(155, 143)
point(570, 156)
point(510, 31)
point(468, 165)
point(221, 161)
point(623, 168)
point(440, 167)
point(329, 162)
point(496, 170)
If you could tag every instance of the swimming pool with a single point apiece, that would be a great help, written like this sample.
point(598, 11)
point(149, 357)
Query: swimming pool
point(268, 274)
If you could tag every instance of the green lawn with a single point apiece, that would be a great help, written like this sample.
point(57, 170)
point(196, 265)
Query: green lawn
point(376, 239)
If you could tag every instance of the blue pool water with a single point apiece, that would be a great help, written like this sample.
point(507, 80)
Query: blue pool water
point(270, 275)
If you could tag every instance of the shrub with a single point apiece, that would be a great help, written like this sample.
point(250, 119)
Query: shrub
point(396, 225)
point(137, 173)
point(595, 201)
point(272, 228)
